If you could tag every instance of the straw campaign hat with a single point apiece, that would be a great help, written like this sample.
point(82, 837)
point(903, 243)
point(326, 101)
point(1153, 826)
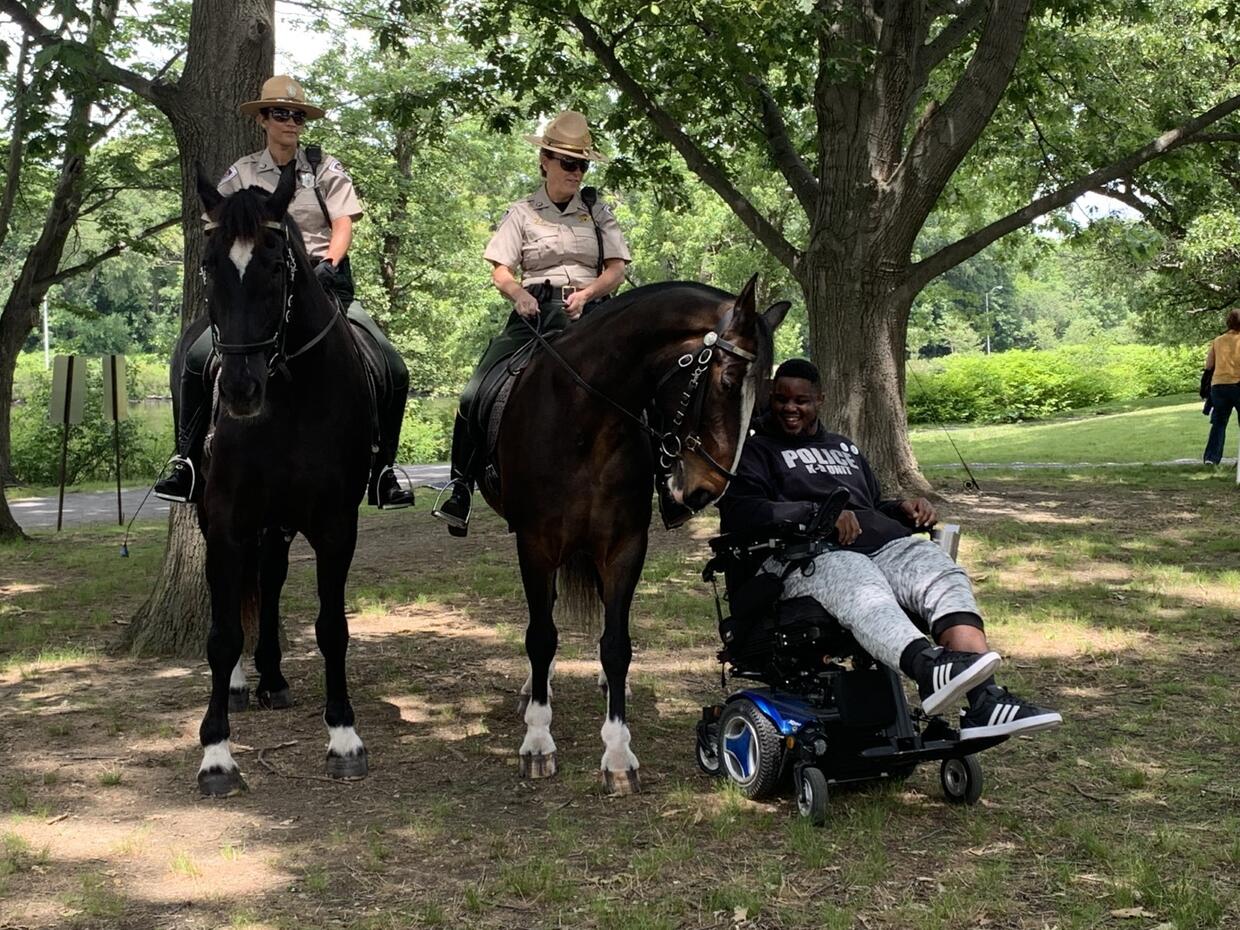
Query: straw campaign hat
point(282, 91)
point(569, 135)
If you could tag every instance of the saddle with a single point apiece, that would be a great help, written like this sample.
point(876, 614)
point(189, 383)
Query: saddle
point(490, 401)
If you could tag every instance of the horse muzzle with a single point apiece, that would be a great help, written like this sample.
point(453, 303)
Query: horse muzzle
point(242, 395)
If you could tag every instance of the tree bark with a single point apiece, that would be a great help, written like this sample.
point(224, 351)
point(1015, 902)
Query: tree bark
point(231, 53)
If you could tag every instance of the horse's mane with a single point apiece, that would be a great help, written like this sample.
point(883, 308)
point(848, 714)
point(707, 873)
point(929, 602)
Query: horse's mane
point(241, 215)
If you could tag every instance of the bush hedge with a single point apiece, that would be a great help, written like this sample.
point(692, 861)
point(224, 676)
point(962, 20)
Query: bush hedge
point(1027, 384)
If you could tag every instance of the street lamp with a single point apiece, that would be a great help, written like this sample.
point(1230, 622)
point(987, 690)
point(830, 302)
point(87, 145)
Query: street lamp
point(997, 287)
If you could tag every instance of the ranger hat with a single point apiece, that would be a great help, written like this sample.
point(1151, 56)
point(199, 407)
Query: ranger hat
point(282, 91)
point(569, 135)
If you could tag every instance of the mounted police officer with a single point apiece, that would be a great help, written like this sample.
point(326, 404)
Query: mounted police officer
point(569, 253)
point(325, 207)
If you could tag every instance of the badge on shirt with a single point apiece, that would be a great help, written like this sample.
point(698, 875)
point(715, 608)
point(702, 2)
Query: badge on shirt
point(307, 179)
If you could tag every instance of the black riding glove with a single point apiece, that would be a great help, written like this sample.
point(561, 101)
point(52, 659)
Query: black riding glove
point(325, 271)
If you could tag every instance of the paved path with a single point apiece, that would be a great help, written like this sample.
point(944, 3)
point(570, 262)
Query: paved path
point(34, 513)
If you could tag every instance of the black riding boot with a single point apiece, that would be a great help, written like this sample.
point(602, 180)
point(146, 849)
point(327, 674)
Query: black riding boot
point(385, 491)
point(454, 511)
point(184, 482)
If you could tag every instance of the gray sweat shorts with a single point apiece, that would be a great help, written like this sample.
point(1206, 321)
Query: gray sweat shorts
point(869, 594)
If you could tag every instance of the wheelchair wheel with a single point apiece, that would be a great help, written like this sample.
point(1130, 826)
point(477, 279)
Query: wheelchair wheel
point(961, 779)
point(812, 795)
point(707, 744)
point(750, 749)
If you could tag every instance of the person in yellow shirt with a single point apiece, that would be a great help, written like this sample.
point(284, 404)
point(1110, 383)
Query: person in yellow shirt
point(1224, 359)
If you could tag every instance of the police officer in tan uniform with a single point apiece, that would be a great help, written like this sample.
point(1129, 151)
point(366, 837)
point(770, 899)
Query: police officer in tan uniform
point(324, 207)
point(555, 255)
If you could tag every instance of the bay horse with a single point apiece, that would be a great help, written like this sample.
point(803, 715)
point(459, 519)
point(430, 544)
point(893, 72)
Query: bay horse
point(290, 453)
point(575, 462)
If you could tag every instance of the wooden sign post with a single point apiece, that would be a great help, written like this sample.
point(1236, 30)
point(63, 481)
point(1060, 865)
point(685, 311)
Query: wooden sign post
point(65, 408)
point(115, 408)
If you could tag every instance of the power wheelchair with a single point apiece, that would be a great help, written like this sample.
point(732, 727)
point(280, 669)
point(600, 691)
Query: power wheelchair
point(811, 716)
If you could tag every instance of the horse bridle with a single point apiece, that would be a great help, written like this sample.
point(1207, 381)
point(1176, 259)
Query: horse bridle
point(280, 357)
point(668, 443)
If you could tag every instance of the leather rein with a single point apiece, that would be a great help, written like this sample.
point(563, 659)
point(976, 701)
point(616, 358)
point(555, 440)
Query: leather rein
point(280, 357)
point(669, 443)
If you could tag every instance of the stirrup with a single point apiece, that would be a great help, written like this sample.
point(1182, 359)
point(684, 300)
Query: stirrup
point(456, 526)
point(379, 480)
point(193, 481)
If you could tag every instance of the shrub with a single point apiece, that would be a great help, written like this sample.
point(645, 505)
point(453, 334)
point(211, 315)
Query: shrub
point(1028, 384)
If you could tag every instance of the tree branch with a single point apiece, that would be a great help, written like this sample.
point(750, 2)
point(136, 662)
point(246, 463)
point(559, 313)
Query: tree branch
point(947, 41)
point(697, 160)
point(101, 68)
point(922, 273)
point(17, 141)
point(73, 270)
point(798, 175)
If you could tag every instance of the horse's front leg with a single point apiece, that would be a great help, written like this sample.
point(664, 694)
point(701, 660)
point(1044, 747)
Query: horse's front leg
point(218, 775)
point(273, 691)
point(537, 754)
point(619, 575)
point(333, 549)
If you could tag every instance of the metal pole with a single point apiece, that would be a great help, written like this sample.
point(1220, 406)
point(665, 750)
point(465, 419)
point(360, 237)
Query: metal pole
point(64, 444)
point(116, 440)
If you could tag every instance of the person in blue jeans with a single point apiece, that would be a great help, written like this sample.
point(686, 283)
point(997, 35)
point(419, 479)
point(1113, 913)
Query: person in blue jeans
point(1224, 359)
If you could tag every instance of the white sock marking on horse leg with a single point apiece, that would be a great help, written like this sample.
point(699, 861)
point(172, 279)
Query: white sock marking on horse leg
point(237, 681)
point(538, 730)
point(528, 687)
point(343, 741)
point(617, 757)
point(217, 756)
point(241, 253)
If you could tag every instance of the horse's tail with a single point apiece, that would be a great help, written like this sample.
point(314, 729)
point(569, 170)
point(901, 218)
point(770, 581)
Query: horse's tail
point(578, 605)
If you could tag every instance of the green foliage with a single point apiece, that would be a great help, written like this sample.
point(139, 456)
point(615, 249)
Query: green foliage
point(1027, 384)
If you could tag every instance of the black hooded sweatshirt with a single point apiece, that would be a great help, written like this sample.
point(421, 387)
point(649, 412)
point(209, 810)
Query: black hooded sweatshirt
point(784, 478)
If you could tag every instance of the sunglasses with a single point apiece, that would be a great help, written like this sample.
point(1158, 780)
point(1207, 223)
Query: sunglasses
point(281, 115)
point(569, 164)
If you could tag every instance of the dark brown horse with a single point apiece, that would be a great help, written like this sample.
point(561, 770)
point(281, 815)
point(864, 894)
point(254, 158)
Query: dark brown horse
point(576, 464)
point(290, 453)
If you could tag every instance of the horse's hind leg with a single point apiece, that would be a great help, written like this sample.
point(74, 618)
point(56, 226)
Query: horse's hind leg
point(620, 575)
point(537, 755)
point(273, 570)
point(346, 755)
point(218, 775)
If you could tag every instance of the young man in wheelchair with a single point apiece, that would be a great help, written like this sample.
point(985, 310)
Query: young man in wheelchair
point(879, 572)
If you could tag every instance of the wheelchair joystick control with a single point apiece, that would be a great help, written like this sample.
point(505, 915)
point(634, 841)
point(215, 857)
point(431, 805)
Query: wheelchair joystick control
point(947, 535)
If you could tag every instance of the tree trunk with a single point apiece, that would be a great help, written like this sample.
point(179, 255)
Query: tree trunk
point(12, 336)
point(390, 253)
point(857, 329)
point(231, 53)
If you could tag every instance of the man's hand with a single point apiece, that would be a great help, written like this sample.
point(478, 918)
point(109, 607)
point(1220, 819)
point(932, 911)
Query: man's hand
point(847, 528)
point(526, 305)
point(576, 302)
point(919, 511)
point(325, 271)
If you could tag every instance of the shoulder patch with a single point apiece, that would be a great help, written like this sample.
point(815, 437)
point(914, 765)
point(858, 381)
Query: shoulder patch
point(337, 167)
point(228, 175)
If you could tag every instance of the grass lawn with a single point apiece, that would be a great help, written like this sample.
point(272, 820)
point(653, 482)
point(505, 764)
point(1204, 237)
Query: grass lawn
point(1155, 430)
point(1113, 594)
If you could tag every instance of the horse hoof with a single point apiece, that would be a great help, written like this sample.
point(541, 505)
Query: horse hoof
point(348, 768)
point(275, 700)
point(621, 783)
point(217, 783)
point(523, 702)
point(536, 765)
point(238, 700)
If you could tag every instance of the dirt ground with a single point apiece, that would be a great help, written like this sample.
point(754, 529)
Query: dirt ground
point(1125, 627)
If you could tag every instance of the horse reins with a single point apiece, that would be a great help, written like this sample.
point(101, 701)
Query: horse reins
point(280, 357)
point(669, 443)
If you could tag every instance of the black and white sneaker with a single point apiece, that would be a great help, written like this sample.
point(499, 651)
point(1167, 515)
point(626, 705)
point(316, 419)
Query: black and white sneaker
point(998, 712)
point(948, 675)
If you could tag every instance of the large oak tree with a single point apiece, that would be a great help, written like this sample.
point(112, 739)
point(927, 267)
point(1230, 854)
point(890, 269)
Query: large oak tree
point(868, 110)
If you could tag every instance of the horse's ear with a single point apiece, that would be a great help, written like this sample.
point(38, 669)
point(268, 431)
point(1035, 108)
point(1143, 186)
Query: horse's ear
point(746, 299)
point(277, 203)
point(207, 192)
point(775, 313)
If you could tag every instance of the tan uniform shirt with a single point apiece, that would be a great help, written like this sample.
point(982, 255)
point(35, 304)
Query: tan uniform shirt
point(547, 245)
point(258, 170)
